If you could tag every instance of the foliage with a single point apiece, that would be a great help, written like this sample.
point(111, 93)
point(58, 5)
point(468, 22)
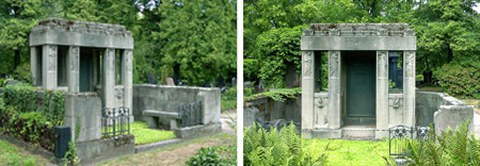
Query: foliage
point(198, 37)
point(278, 51)
point(229, 99)
point(30, 114)
point(250, 69)
point(217, 155)
point(13, 155)
point(71, 157)
point(460, 78)
point(450, 148)
point(25, 98)
point(145, 135)
point(284, 147)
point(277, 94)
point(349, 152)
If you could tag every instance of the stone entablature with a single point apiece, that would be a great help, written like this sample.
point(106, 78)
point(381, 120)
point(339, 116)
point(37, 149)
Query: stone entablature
point(365, 36)
point(81, 33)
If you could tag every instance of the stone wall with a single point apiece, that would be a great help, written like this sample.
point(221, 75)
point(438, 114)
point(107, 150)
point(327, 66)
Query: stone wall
point(442, 110)
point(269, 110)
point(172, 99)
point(83, 113)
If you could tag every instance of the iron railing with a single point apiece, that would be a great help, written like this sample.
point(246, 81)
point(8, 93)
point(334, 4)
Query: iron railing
point(115, 122)
point(400, 135)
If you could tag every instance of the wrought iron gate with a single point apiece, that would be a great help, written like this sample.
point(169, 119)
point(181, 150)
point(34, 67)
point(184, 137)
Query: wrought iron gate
point(115, 122)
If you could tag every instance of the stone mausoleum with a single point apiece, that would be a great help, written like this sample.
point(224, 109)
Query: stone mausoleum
point(371, 79)
point(83, 57)
point(371, 83)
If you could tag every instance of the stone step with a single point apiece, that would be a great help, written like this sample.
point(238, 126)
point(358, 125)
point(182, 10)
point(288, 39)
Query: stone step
point(358, 132)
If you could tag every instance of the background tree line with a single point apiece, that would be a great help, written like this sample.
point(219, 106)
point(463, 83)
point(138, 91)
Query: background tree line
point(448, 36)
point(192, 41)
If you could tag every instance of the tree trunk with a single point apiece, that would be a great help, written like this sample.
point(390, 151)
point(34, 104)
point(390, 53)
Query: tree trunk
point(427, 77)
point(449, 54)
point(16, 59)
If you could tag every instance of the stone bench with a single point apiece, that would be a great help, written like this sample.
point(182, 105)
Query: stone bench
point(152, 116)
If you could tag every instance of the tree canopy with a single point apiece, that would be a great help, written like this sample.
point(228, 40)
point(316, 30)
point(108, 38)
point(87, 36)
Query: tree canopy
point(448, 31)
point(193, 41)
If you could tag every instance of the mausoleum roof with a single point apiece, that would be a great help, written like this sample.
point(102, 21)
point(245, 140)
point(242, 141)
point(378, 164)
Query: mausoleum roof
point(360, 29)
point(80, 33)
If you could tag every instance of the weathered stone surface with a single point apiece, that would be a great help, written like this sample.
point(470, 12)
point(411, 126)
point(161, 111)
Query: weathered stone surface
point(83, 113)
point(197, 131)
point(96, 150)
point(452, 116)
point(80, 33)
point(173, 98)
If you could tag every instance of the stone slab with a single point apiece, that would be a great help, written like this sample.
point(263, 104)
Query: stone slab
point(198, 131)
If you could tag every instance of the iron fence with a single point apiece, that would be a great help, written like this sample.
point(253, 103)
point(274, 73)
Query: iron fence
point(115, 122)
point(400, 135)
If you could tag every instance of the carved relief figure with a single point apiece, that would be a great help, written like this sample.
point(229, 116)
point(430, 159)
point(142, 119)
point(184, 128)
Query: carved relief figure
point(52, 53)
point(333, 64)
point(307, 63)
point(410, 61)
point(383, 63)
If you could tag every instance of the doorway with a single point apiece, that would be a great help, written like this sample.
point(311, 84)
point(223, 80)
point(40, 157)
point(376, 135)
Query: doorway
point(360, 87)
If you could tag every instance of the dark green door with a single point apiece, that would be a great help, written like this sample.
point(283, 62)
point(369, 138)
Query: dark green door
point(86, 65)
point(360, 85)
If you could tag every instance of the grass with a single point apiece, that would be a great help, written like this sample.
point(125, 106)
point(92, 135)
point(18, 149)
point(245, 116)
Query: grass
point(144, 135)
point(350, 152)
point(229, 99)
point(13, 155)
point(174, 154)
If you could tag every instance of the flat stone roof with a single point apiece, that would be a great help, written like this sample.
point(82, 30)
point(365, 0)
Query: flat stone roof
point(360, 29)
point(80, 33)
point(359, 36)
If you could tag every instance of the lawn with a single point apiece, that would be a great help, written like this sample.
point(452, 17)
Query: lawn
point(174, 154)
point(350, 152)
point(144, 135)
point(13, 155)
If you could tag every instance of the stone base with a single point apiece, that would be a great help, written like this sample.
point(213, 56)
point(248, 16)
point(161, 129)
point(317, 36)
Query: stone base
point(322, 133)
point(97, 150)
point(198, 130)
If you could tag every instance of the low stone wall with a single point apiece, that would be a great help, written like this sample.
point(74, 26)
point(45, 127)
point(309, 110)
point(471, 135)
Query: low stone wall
point(83, 113)
point(268, 110)
point(171, 100)
point(442, 110)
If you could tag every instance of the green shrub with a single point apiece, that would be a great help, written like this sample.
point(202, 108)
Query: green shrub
point(217, 155)
point(278, 94)
point(29, 114)
point(450, 148)
point(71, 157)
point(25, 98)
point(460, 78)
point(284, 147)
point(229, 99)
point(279, 51)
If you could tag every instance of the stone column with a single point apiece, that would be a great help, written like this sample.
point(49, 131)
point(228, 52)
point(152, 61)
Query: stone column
point(73, 67)
point(307, 89)
point(127, 64)
point(34, 67)
point(109, 78)
point(49, 64)
point(382, 92)
point(334, 90)
point(409, 87)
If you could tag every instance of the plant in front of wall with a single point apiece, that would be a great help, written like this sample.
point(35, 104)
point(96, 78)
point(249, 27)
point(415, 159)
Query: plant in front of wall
point(71, 157)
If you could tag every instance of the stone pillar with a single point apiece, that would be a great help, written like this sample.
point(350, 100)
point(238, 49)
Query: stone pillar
point(49, 64)
point(109, 78)
point(409, 87)
point(334, 90)
point(73, 67)
point(382, 91)
point(307, 89)
point(33, 65)
point(127, 64)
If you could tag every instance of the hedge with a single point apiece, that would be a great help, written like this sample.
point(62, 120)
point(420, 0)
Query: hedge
point(30, 114)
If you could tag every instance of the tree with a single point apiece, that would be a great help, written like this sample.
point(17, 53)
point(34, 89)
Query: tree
point(197, 40)
point(17, 17)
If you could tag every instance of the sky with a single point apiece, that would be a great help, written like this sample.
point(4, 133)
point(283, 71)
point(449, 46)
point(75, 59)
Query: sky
point(477, 8)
